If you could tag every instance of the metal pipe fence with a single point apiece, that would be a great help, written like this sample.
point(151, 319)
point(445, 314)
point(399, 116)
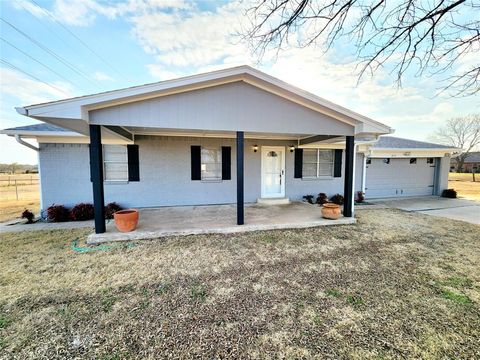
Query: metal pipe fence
point(23, 188)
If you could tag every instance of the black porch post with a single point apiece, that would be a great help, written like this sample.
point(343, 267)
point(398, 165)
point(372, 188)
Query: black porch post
point(240, 197)
point(96, 173)
point(348, 189)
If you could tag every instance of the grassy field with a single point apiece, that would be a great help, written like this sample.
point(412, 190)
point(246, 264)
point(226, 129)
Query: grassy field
point(396, 285)
point(465, 186)
point(27, 190)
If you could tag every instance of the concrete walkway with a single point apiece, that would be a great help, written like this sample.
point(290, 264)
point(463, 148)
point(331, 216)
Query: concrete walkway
point(457, 209)
point(19, 225)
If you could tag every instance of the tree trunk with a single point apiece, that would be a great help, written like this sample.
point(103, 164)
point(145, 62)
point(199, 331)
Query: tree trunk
point(460, 162)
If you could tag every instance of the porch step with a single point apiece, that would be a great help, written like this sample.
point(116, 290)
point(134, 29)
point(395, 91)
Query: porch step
point(274, 201)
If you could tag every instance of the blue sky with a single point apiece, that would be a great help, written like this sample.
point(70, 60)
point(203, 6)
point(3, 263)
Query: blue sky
point(133, 42)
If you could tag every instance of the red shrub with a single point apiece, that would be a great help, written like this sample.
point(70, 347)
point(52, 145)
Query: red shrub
point(57, 213)
point(337, 199)
point(110, 209)
point(27, 214)
point(82, 212)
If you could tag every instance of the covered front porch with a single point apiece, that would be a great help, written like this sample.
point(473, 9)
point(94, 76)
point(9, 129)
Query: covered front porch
point(245, 153)
point(217, 219)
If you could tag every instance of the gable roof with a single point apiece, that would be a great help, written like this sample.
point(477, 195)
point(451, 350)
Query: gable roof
point(44, 127)
point(392, 142)
point(76, 109)
point(473, 157)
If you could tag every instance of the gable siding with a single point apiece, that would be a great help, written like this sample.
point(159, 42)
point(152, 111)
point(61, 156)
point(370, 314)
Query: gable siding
point(229, 107)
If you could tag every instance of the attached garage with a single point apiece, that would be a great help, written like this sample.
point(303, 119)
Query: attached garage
point(396, 167)
point(389, 177)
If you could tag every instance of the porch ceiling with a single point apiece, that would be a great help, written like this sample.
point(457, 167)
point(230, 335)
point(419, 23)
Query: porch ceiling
point(211, 133)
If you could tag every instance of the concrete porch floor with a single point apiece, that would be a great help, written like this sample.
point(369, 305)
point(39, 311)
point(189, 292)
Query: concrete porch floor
point(188, 220)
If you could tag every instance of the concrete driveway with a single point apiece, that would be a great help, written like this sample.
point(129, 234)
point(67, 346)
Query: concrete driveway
point(457, 209)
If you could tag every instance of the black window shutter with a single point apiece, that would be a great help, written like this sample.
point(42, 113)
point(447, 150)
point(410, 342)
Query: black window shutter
point(337, 165)
point(226, 163)
point(133, 163)
point(298, 163)
point(196, 162)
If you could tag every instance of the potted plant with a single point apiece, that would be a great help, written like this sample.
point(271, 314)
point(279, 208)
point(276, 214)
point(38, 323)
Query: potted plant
point(126, 220)
point(322, 198)
point(337, 199)
point(331, 211)
point(308, 198)
point(360, 197)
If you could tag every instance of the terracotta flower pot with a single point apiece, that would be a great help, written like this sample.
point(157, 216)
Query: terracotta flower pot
point(331, 211)
point(126, 220)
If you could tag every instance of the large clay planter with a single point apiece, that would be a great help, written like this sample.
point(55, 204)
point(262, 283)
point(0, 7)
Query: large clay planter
point(126, 220)
point(331, 211)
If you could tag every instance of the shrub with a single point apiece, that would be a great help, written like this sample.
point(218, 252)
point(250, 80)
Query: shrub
point(82, 212)
point(449, 193)
point(27, 214)
point(337, 199)
point(360, 197)
point(57, 213)
point(322, 198)
point(110, 209)
point(308, 198)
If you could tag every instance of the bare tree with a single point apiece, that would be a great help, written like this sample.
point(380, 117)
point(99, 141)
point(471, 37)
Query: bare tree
point(13, 167)
point(461, 132)
point(431, 37)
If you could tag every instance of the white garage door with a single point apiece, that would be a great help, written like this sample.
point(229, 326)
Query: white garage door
point(399, 177)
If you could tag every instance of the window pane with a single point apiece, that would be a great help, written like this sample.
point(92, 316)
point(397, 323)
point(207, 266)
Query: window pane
point(325, 169)
point(309, 156)
point(116, 171)
point(309, 170)
point(115, 153)
point(325, 156)
point(211, 166)
point(211, 156)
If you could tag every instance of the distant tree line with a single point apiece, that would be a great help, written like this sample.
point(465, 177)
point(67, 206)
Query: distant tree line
point(15, 168)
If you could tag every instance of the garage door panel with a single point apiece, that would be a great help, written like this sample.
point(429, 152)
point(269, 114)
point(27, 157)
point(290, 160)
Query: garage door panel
point(399, 178)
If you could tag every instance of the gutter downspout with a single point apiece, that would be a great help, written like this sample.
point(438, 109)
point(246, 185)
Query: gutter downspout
point(24, 143)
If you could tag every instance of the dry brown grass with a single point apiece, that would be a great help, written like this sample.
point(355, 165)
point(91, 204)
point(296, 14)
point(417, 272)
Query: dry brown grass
point(28, 198)
point(464, 185)
point(396, 285)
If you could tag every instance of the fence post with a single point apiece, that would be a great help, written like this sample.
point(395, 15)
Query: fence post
point(16, 189)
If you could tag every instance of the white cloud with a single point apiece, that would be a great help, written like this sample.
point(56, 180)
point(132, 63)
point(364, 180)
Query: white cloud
point(190, 38)
point(160, 72)
point(17, 90)
point(30, 7)
point(84, 12)
point(101, 76)
point(29, 91)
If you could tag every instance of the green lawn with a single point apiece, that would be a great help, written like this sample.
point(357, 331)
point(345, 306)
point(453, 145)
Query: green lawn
point(395, 285)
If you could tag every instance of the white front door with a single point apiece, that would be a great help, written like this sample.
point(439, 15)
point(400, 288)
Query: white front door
point(273, 171)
